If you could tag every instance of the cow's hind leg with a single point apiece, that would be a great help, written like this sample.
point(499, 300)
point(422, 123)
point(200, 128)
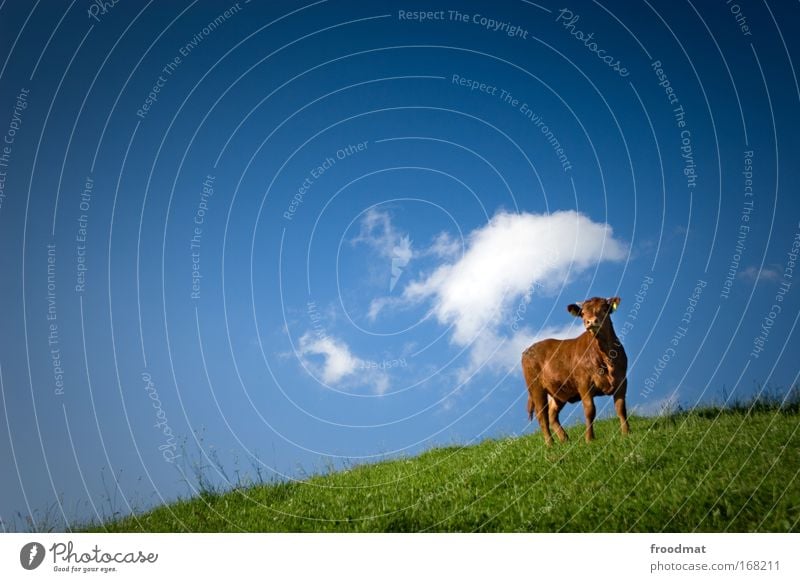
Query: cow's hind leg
point(555, 408)
point(540, 404)
point(537, 402)
point(589, 412)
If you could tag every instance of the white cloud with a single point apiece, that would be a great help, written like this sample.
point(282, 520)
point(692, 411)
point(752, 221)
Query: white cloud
point(339, 366)
point(338, 363)
point(402, 250)
point(443, 246)
point(505, 260)
point(661, 407)
point(377, 231)
point(378, 305)
point(766, 274)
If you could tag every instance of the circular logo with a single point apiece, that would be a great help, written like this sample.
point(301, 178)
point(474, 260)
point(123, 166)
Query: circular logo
point(31, 555)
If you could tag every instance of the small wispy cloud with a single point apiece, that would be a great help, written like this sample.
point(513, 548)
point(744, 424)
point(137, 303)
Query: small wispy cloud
point(658, 407)
point(338, 360)
point(377, 305)
point(444, 246)
point(401, 256)
point(377, 231)
point(339, 367)
point(770, 273)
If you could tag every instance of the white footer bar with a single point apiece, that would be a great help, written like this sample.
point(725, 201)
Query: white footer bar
point(354, 557)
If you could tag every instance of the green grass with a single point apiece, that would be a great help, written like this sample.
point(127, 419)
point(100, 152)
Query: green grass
point(706, 470)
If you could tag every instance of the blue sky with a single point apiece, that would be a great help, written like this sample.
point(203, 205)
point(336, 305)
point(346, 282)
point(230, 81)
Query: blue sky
point(322, 233)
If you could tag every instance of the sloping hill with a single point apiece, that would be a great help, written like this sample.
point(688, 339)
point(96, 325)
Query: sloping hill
point(700, 471)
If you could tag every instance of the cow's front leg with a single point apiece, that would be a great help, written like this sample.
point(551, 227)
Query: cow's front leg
point(622, 413)
point(589, 412)
point(619, 405)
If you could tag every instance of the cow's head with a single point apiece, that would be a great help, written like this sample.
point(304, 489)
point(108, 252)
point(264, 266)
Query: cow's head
point(595, 312)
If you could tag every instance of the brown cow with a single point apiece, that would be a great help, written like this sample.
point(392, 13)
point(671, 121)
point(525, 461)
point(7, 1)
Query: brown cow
point(592, 364)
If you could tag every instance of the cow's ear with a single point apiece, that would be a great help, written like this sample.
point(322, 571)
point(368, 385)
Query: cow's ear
point(574, 309)
point(614, 302)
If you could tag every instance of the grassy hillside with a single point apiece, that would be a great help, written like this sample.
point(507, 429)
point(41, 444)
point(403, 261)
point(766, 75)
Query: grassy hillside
point(699, 471)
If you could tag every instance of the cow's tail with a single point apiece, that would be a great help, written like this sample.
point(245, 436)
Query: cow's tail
point(531, 408)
